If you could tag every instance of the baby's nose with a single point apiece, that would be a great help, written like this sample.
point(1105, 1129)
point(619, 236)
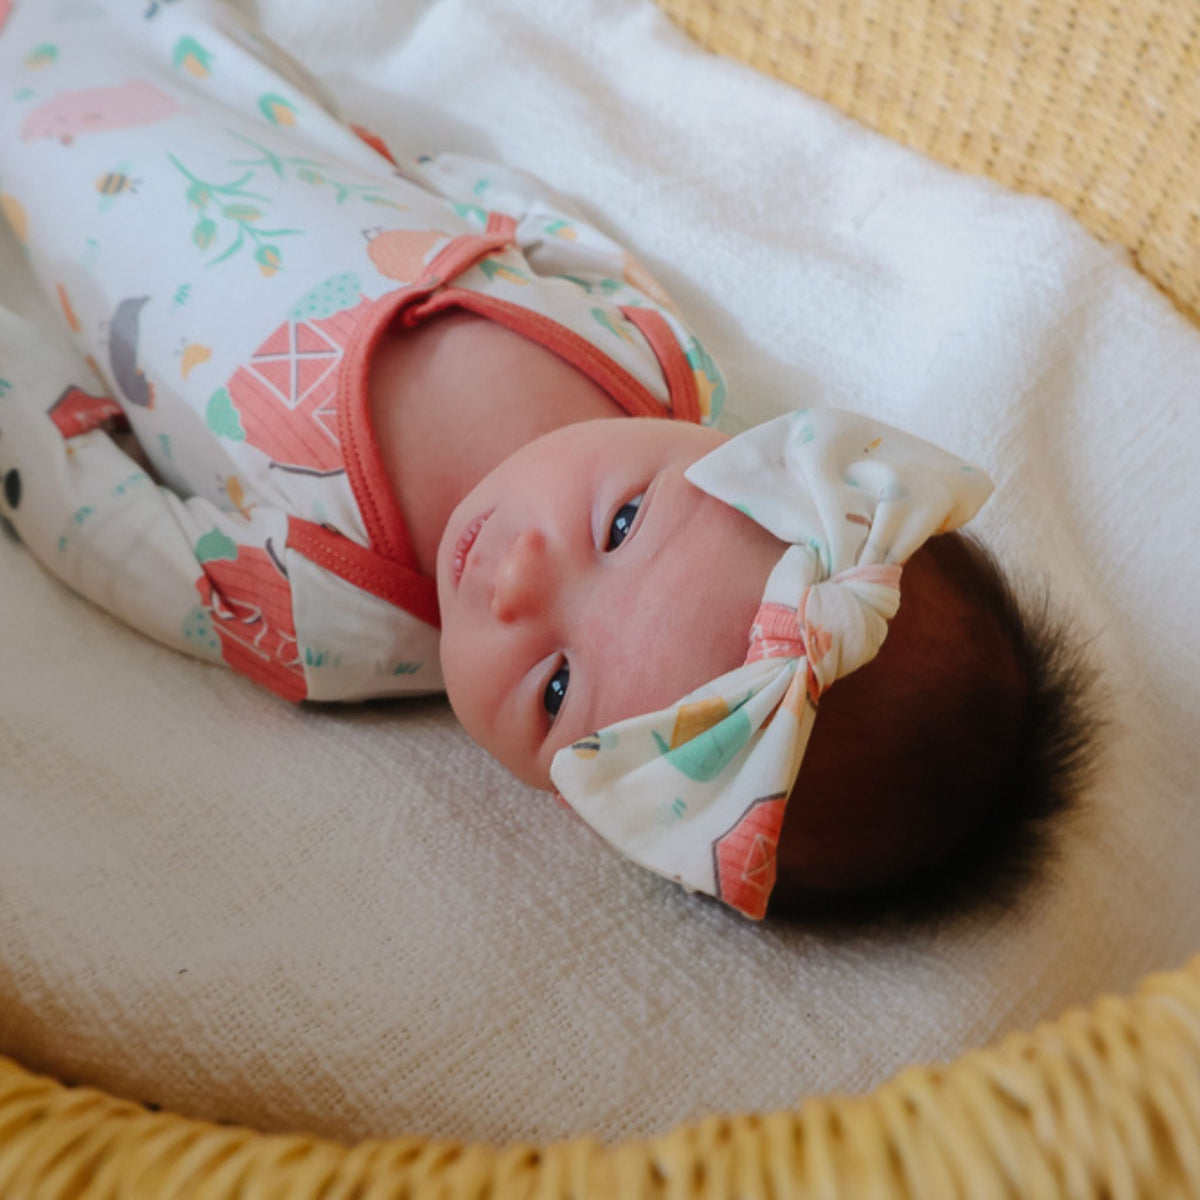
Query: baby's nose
point(522, 584)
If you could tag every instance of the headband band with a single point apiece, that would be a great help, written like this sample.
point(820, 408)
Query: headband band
point(696, 792)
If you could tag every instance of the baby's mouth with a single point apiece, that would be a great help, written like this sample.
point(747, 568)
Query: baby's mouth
point(466, 540)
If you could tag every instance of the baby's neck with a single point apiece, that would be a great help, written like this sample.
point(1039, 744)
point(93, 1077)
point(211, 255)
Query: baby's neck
point(454, 397)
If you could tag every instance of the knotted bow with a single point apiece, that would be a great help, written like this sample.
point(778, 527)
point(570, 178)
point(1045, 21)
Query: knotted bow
point(697, 791)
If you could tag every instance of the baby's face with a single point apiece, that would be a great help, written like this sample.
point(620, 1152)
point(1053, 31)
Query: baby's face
point(584, 580)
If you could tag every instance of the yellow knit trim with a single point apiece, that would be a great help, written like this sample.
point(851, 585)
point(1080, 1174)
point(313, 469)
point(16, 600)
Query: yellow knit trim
point(1095, 103)
point(1103, 1102)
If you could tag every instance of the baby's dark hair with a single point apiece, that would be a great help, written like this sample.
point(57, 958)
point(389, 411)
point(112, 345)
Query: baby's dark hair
point(934, 772)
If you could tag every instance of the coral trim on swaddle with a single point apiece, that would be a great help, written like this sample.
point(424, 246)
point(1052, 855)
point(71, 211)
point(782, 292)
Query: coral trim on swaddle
point(697, 792)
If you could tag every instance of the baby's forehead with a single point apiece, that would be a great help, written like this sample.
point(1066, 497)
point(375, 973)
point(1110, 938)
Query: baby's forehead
point(586, 453)
point(660, 436)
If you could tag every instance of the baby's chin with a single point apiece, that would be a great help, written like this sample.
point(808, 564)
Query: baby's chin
point(445, 555)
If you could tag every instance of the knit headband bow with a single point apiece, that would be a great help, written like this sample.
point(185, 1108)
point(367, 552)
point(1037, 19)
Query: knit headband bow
point(696, 792)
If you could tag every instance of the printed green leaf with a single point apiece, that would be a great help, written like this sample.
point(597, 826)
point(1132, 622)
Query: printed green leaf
point(192, 57)
point(234, 247)
point(241, 212)
point(269, 259)
point(205, 233)
point(276, 109)
point(222, 418)
point(216, 545)
point(386, 201)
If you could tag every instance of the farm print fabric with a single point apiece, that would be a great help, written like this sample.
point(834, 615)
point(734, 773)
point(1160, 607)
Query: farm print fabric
point(192, 448)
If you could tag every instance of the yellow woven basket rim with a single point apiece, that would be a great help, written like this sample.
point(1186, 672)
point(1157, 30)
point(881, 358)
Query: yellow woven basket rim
point(1102, 1102)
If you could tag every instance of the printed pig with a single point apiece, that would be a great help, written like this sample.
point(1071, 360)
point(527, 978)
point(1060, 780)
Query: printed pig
point(94, 110)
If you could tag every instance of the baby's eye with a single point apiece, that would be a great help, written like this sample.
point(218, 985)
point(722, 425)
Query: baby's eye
point(556, 690)
point(623, 522)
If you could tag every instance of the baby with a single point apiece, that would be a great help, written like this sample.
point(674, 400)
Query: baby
point(373, 453)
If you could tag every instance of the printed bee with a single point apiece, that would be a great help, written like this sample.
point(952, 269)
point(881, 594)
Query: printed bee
point(588, 747)
point(115, 183)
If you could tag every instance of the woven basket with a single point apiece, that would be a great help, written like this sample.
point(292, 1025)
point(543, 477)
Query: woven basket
point(1095, 103)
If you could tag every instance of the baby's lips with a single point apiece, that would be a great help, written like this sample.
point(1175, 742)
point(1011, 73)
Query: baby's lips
point(466, 540)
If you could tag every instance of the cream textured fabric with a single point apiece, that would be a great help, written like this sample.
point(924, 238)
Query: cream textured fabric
point(350, 921)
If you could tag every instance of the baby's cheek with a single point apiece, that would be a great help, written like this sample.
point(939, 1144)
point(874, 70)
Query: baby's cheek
point(478, 691)
point(460, 680)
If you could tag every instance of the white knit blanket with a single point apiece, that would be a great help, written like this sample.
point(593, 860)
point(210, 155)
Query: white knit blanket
point(350, 921)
